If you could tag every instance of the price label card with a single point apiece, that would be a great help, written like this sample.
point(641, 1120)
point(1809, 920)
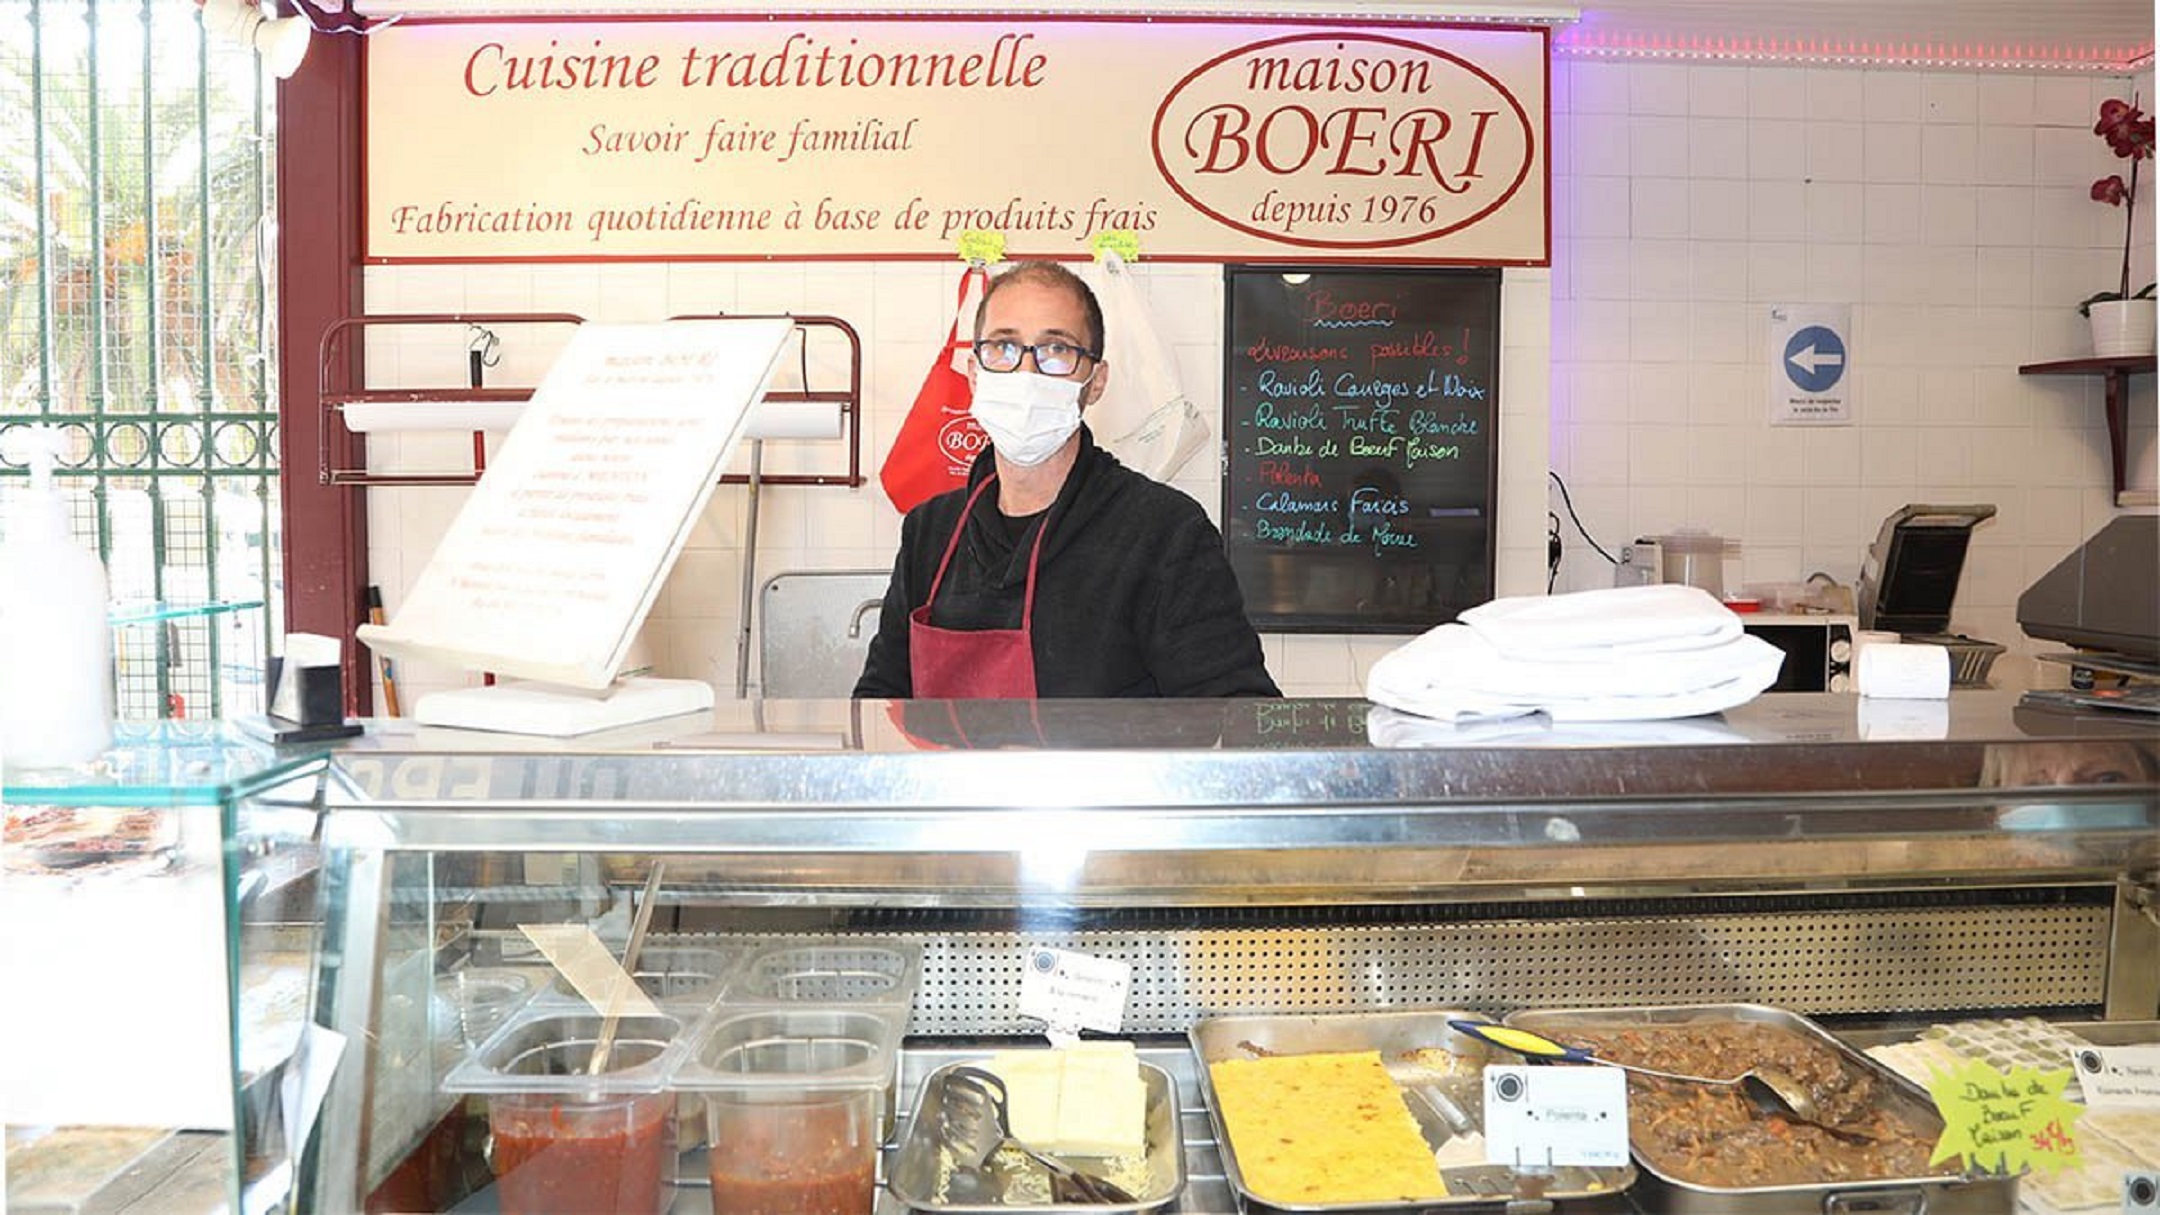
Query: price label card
point(2005, 1122)
point(590, 968)
point(1075, 991)
point(1544, 1117)
point(2118, 1077)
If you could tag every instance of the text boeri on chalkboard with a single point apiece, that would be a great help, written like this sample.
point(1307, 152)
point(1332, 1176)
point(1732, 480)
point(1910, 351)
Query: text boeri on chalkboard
point(1360, 411)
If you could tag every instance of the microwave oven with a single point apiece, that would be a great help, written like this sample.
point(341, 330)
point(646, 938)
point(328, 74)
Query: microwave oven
point(1818, 650)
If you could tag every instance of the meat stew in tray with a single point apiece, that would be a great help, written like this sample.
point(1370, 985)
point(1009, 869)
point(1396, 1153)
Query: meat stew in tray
point(1710, 1135)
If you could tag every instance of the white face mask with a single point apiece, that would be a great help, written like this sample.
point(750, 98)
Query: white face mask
point(1027, 415)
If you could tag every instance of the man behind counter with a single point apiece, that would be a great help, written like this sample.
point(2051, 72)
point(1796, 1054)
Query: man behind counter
point(1056, 571)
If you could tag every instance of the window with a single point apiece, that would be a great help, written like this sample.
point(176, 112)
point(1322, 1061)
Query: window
point(135, 314)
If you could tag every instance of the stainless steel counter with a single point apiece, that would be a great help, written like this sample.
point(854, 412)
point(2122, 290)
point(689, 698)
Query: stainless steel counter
point(1814, 852)
point(936, 757)
point(1116, 803)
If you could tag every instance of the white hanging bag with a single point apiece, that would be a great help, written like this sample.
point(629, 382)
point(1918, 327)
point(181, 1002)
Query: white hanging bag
point(1144, 417)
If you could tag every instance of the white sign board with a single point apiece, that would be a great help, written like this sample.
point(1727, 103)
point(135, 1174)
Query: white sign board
point(1810, 365)
point(553, 563)
point(1548, 1117)
point(1075, 991)
point(2120, 1076)
point(841, 135)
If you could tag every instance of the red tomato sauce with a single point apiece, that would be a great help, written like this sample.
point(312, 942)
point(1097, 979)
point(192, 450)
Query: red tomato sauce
point(559, 1158)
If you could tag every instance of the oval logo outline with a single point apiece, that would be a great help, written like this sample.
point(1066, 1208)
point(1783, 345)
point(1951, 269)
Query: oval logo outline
point(1531, 149)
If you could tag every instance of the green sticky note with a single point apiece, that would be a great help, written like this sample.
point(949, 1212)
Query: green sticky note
point(977, 245)
point(1122, 241)
point(2005, 1122)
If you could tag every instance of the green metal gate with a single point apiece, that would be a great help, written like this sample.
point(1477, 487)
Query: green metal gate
point(136, 241)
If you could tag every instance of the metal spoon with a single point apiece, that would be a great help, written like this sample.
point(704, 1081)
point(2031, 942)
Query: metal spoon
point(1769, 1089)
point(1773, 1092)
point(611, 1020)
point(976, 1124)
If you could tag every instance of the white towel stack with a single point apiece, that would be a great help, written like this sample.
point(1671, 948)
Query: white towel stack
point(1386, 727)
point(1636, 653)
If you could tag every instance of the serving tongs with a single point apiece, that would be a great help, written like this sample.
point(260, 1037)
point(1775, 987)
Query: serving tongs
point(619, 990)
point(976, 1124)
point(1769, 1090)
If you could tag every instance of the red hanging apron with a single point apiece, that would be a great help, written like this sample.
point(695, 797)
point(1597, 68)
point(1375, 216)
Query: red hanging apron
point(939, 437)
point(974, 664)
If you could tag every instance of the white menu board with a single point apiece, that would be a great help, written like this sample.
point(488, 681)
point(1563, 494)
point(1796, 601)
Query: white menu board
point(553, 563)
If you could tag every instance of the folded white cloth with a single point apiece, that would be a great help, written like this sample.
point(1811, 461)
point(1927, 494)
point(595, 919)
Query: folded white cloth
point(1597, 624)
point(1388, 727)
point(1456, 672)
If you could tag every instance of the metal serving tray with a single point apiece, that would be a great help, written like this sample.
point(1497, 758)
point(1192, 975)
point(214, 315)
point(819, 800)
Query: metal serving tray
point(919, 1169)
point(1931, 1195)
point(1440, 1104)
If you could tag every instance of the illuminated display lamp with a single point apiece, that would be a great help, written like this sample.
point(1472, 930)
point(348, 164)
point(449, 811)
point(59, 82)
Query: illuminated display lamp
point(282, 42)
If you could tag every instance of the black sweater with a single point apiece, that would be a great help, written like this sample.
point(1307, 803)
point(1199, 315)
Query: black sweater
point(1133, 595)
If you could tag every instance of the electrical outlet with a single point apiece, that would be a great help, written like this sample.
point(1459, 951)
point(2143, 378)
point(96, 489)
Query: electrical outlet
point(2141, 1193)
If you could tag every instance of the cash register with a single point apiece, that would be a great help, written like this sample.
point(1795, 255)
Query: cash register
point(2104, 599)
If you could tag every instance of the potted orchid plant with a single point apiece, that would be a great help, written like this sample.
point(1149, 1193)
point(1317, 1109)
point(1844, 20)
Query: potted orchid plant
point(2122, 323)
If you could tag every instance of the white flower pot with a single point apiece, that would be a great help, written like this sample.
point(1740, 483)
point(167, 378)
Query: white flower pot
point(2121, 327)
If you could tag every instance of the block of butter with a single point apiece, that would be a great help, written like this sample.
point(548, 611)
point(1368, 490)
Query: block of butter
point(1033, 1079)
point(1086, 1100)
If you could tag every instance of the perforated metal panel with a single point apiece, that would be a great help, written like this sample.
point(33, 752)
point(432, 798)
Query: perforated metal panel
point(1873, 961)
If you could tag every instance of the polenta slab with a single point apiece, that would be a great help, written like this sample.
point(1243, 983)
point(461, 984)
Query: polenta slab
point(1325, 1128)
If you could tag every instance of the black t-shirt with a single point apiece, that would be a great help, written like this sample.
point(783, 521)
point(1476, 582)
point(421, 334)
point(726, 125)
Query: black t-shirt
point(1020, 529)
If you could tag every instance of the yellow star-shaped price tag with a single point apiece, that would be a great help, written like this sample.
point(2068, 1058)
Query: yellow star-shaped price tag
point(977, 245)
point(2005, 1122)
point(1122, 241)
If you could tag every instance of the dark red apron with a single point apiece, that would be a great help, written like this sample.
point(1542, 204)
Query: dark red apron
point(974, 664)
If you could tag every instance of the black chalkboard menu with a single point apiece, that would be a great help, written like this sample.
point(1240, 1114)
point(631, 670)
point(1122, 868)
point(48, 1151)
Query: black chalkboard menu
point(1360, 409)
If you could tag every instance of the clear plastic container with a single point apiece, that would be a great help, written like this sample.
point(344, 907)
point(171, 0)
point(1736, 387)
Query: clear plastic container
point(557, 1154)
point(1696, 559)
point(562, 1140)
point(842, 972)
point(797, 1101)
point(473, 1003)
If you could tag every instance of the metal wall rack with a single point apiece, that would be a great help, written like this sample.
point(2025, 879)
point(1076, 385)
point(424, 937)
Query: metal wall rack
point(336, 433)
point(849, 400)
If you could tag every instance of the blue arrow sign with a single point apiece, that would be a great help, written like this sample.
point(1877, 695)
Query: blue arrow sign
point(1814, 358)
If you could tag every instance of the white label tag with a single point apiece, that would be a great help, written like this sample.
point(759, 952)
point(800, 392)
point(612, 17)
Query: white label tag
point(590, 968)
point(1544, 1117)
point(2115, 1077)
point(1074, 991)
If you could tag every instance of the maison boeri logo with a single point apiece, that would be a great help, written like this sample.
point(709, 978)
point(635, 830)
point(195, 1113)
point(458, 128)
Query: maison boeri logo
point(1344, 141)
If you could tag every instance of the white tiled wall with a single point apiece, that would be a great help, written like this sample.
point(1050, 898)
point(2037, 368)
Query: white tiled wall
point(1949, 210)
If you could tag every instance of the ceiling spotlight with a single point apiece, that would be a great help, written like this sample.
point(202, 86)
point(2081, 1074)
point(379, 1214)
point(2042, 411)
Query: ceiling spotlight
point(281, 41)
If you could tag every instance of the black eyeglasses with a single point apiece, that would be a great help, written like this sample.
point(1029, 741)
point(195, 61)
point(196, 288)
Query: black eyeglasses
point(1051, 358)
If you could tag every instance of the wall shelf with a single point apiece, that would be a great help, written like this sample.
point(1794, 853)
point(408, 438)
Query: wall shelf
point(2116, 370)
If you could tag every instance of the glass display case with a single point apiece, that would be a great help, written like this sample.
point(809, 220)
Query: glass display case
point(852, 894)
point(134, 887)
